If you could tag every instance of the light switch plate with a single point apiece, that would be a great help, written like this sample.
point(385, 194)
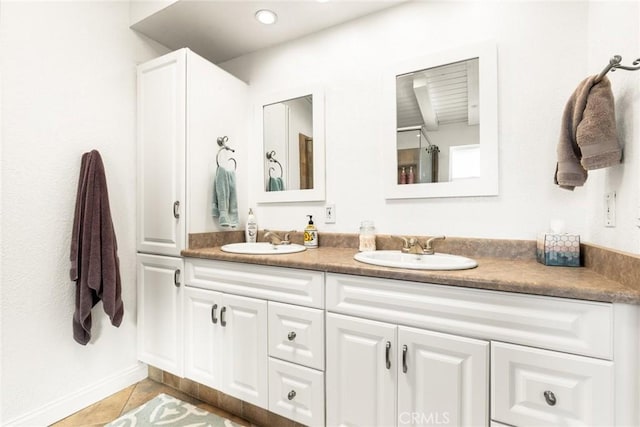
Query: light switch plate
point(610, 209)
point(330, 214)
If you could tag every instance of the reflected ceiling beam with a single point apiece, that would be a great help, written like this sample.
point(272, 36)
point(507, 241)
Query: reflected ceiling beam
point(421, 92)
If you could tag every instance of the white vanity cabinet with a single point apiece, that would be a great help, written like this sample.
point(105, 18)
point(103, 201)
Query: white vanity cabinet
point(226, 343)
point(257, 333)
point(387, 375)
point(159, 304)
point(551, 360)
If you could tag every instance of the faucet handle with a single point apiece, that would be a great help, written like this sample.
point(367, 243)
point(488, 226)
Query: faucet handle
point(273, 237)
point(427, 247)
point(405, 243)
point(286, 240)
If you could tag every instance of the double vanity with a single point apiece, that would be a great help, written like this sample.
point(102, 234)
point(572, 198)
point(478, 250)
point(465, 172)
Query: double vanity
point(323, 339)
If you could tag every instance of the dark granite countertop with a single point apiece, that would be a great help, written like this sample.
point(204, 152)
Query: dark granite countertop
point(517, 274)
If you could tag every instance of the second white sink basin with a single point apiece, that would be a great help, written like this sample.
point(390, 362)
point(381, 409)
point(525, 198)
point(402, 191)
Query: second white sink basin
point(262, 248)
point(398, 259)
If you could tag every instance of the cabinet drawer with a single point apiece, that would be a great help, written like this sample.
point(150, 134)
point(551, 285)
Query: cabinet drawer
point(296, 334)
point(572, 326)
point(539, 387)
point(290, 285)
point(296, 392)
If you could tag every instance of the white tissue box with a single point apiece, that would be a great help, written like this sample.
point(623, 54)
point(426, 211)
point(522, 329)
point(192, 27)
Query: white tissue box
point(559, 249)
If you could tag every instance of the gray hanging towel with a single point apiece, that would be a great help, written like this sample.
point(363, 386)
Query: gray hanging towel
point(224, 204)
point(588, 137)
point(94, 252)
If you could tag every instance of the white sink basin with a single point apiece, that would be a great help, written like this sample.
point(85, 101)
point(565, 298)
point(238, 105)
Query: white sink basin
point(262, 248)
point(398, 259)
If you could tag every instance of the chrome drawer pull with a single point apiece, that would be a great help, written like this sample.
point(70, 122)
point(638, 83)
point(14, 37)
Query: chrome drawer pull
point(176, 209)
point(386, 355)
point(176, 278)
point(214, 319)
point(223, 322)
point(404, 358)
point(291, 336)
point(550, 398)
point(291, 395)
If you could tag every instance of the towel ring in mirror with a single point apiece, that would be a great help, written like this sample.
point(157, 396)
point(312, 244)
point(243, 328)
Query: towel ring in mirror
point(271, 157)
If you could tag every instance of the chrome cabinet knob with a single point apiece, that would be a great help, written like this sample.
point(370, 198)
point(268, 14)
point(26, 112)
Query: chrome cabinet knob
point(291, 336)
point(291, 395)
point(550, 398)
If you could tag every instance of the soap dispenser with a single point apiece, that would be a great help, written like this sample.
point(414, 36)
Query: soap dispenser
point(310, 234)
point(251, 231)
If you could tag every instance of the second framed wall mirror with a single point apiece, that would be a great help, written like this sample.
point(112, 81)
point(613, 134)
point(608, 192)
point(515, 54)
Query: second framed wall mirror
point(440, 127)
point(291, 126)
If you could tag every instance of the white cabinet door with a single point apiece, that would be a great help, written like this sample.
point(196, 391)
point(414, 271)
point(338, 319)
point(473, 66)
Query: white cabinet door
point(532, 387)
point(244, 347)
point(161, 154)
point(442, 379)
point(361, 372)
point(160, 312)
point(203, 336)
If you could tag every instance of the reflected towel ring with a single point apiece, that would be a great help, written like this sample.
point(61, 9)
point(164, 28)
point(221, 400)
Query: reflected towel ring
point(222, 142)
point(272, 159)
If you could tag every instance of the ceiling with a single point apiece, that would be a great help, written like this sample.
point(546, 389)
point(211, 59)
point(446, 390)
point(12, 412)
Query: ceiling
point(438, 96)
point(221, 30)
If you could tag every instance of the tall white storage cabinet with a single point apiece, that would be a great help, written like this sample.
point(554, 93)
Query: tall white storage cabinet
point(161, 183)
point(184, 104)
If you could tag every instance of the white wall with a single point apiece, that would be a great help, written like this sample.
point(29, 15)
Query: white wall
point(542, 55)
point(625, 178)
point(68, 86)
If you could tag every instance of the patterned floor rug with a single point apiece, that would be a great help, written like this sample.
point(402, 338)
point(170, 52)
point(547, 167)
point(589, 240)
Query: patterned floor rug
point(165, 410)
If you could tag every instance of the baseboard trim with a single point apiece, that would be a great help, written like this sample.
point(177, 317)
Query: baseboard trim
point(72, 403)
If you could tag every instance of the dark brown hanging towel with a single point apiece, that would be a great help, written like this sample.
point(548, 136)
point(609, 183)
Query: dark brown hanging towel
point(94, 252)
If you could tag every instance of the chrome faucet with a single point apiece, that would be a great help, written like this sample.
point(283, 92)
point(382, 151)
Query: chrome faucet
point(411, 245)
point(276, 239)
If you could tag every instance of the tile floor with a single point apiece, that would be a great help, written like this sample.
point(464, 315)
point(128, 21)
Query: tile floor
point(119, 403)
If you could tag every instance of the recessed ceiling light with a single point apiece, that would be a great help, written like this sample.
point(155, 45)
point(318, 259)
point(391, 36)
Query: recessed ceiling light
point(266, 16)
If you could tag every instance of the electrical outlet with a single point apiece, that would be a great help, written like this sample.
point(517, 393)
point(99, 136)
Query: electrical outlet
point(610, 209)
point(330, 214)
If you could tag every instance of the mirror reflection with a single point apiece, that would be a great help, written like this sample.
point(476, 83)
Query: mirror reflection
point(288, 144)
point(438, 126)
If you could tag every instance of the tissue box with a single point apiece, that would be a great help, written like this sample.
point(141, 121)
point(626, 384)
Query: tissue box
point(559, 249)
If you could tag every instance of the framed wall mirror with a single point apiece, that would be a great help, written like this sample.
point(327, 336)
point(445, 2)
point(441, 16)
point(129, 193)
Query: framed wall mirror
point(441, 125)
point(291, 127)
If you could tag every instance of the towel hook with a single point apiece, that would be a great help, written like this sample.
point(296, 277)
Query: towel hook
point(614, 64)
point(222, 142)
point(272, 159)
